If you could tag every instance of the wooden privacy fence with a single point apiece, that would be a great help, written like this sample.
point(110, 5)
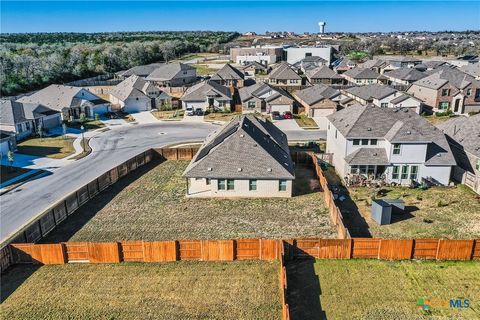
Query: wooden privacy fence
point(284, 287)
point(176, 153)
point(245, 249)
point(335, 214)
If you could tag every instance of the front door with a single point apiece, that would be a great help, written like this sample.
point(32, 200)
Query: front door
point(457, 105)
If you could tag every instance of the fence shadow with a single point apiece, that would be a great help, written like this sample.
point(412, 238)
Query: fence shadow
point(67, 228)
point(305, 181)
point(354, 221)
point(14, 277)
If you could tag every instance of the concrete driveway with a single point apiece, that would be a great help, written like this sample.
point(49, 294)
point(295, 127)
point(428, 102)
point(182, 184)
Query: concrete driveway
point(286, 124)
point(192, 118)
point(144, 117)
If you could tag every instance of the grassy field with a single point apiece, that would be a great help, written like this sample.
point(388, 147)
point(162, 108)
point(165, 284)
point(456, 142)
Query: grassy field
point(305, 121)
point(153, 206)
point(178, 290)
point(221, 116)
point(372, 289)
point(203, 70)
point(439, 212)
point(52, 147)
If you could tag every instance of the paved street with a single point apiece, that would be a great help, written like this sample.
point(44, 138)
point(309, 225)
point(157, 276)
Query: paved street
point(110, 149)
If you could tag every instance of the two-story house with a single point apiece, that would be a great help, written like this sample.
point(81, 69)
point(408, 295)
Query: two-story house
point(229, 76)
point(404, 76)
point(363, 76)
point(391, 145)
point(134, 94)
point(324, 75)
point(247, 157)
point(463, 134)
point(448, 90)
point(284, 76)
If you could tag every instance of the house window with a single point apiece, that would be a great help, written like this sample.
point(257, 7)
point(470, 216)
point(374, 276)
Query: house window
point(358, 81)
point(443, 105)
point(364, 142)
point(221, 184)
point(384, 105)
point(469, 91)
point(336, 132)
point(19, 128)
point(221, 104)
point(395, 171)
point(208, 181)
point(413, 172)
point(230, 184)
point(477, 166)
point(373, 142)
point(354, 169)
point(370, 81)
point(396, 148)
point(27, 126)
point(329, 126)
point(252, 104)
point(363, 169)
point(404, 172)
point(477, 93)
point(445, 92)
point(282, 185)
point(356, 142)
point(370, 170)
point(252, 185)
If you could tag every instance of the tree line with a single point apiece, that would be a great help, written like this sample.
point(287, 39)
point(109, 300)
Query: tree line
point(32, 61)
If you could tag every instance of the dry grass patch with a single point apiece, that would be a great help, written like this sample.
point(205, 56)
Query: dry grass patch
point(56, 147)
point(372, 289)
point(153, 206)
point(175, 290)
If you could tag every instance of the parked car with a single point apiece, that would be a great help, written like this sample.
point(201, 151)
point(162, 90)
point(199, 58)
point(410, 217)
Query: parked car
point(276, 115)
point(287, 115)
point(190, 111)
point(199, 112)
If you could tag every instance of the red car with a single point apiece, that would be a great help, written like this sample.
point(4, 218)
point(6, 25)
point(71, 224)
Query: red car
point(287, 115)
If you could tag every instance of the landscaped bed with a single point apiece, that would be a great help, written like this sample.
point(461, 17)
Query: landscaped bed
point(168, 114)
point(87, 125)
point(373, 289)
point(174, 290)
point(55, 147)
point(153, 206)
point(305, 122)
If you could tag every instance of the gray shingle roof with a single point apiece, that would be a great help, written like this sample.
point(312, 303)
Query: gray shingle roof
point(259, 89)
point(228, 72)
point(254, 64)
point(168, 71)
point(374, 63)
point(406, 74)
point(57, 97)
point(397, 125)
point(455, 77)
point(375, 91)
point(363, 73)
point(142, 71)
point(465, 131)
point(472, 69)
point(199, 92)
point(284, 72)
point(364, 156)
point(316, 93)
point(244, 148)
point(323, 72)
point(12, 112)
point(133, 86)
point(401, 98)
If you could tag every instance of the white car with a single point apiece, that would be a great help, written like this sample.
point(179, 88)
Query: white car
point(190, 111)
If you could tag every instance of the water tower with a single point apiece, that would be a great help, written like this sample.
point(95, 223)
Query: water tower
point(322, 24)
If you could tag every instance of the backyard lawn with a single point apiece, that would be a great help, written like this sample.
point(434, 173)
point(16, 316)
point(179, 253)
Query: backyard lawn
point(305, 122)
point(56, 147)
point(203, 69)
point(174, 290)
point(153, 206)
point(373, 289)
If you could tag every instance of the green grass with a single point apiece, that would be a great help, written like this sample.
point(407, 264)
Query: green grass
point(305, 121)
point(176, 290)
point(88, 125)
point(153, 206)
point(438, 212)
point(372, 289)
point(203, 70)
point(221, 116)
point(56, 147)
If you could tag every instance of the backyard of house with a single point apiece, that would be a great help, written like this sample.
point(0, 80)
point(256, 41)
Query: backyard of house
point(150, 204)
point(173, 290)
point(373, 289)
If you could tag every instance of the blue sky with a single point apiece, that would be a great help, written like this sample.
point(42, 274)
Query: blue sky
point(258, 16)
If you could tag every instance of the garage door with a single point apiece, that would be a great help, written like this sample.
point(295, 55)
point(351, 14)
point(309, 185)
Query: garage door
point(280, 108)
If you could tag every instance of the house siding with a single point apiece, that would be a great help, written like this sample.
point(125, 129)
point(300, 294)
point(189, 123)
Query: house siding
point(265, 189)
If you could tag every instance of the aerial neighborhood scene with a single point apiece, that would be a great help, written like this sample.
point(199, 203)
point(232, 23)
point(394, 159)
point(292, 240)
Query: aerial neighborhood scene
point(181, 160)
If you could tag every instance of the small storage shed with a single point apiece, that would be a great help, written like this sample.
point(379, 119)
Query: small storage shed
point(381, 212)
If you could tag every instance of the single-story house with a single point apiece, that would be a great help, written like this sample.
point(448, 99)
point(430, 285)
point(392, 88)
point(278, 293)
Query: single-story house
point(8, 142)
point(363, 76)
point(70, 101)
point(247, 157)
point(207, 95)
point(134, 94)
point(253, 68)
point(26, 119)
point(173, 75)
point(264, 98)
point(324, 75)
point(141, 71)
point(404, 76)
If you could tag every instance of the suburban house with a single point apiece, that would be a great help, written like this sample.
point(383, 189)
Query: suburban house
point(284, 76)
point(71, 102)
point(472, 69)
point(229, 76)
point(428, 65)
point(344, 65)
point(318, 102)
point(309, 63)
point(262, 54)
point(8, 142)
point(247, 157)
point(404, 76)
point(401, 62)
point(264, 98)
point(377, 65)
point(253, 68)
point(390, 145)
point(448, 89)
point(207, 95)
point(25, 119)
point(463, 134)
point(363, 76)
point(324, 75)
point(134, 94)
point(141, 71)
point(173, 75)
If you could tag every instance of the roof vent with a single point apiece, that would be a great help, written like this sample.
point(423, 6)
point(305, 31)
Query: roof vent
point(209, 169)
point(239, 169)
point(375, 154)
point(369, 129)
point(269, 169)
point(409, 132)
point(241, 136)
